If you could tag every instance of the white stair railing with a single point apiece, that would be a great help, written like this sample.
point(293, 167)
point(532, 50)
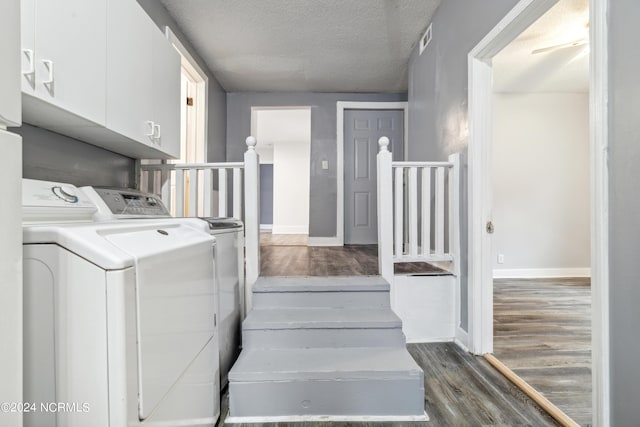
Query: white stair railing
point(192, 190)
point(429, 232)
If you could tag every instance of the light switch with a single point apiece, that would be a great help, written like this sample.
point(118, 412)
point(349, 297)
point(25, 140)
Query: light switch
point(325, 164)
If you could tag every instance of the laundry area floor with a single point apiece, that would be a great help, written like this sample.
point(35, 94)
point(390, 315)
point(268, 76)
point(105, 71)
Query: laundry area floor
point(460, 390)
point(542, 332)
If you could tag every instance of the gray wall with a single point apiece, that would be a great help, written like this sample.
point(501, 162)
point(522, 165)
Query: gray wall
point(438, 94)
point(266, 193)
point(323, 202)
point(53, 157)
point(217, 120)
point(624, 211)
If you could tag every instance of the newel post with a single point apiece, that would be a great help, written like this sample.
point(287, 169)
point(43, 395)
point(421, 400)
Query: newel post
point(385, 211)
point(454, 211)
point(251, 218)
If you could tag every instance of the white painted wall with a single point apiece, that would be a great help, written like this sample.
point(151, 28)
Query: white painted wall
point(288, 131)
point(541, 184)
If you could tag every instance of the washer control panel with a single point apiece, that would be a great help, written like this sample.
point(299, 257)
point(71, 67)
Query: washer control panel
point(131, 203)
point(48, 201)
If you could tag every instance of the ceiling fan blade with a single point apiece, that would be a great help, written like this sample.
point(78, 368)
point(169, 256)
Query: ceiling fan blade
point(575, 43)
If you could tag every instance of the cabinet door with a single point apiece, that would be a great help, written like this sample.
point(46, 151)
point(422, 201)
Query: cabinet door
point(28, 45)
point(166, 94)
point(70, 56)
point(129, 68)
point(10, 112)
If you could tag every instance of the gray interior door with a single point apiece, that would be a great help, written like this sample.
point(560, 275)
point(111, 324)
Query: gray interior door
point(362, 129)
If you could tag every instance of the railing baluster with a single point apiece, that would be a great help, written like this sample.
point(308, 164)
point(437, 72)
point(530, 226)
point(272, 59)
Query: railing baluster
point(425, 241)
point(165, 195)
point(399, 200)
point(440, 211)
point(193, 192)
point(237, 193)
point(222, 192)
point(208, 191)
point(412, 190)
point(179, 192)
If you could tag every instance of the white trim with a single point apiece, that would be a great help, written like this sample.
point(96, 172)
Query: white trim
point(599, 133)
point(266, 227)
point(290, 229)
point(322, 241)
point(480, 280)
point(326, 418)
point(341, 106)
point(202, 87)
point(461, 339)
point(540, 273)
point(525, 13)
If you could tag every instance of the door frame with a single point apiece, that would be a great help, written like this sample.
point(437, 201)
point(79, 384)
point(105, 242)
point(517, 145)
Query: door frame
point(480, 286)
point(341, 106)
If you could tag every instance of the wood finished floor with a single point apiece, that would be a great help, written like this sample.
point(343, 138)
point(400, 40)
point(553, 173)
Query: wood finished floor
point(288, 255)
point(542, 332)
point(460, 390)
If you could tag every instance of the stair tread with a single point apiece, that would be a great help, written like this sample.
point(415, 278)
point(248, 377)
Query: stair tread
point(316, 318)
point(378, 363)
point(320, 284)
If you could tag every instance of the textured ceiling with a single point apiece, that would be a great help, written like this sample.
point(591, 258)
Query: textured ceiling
point(516, 69)
point(305, 45)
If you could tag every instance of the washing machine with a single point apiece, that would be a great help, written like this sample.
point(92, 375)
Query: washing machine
point(115, 204)
point(119, 317)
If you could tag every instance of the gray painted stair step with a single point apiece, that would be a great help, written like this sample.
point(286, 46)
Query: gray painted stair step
point(313, 328)
point(321, 318)
point(320, 284)
point(327, 381)
point(361, 291)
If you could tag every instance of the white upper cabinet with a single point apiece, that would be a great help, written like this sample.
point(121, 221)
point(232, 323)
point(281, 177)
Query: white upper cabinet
point(102, 72)
point(166, 100)
point(129, 71)
point(64, 57)
point(10, 109)
point(143, 79)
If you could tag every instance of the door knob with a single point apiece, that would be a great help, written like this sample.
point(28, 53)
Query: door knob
point(490, 227)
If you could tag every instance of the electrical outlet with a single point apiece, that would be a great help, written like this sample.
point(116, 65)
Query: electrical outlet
point(325, 164)
point(500, 258)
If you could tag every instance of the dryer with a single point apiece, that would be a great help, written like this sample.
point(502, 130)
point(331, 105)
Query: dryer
point(119, 317)
point(118, 203)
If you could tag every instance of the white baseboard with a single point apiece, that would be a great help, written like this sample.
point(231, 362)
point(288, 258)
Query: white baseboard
point(540, 273)
point(266, 227)
point(462, 339)
point(323, 241)
point(290, 229)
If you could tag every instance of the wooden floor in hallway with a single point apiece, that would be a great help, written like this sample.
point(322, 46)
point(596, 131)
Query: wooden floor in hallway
point(542, 331)
point(460, 390)
point(289, 255)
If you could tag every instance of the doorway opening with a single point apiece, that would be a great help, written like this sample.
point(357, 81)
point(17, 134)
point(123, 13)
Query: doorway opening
point(284, 147)
point(482, 211)
point(193, 124)
point(540, 208)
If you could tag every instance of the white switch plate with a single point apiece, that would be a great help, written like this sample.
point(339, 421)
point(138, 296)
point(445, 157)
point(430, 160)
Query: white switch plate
point(500, 258)
point(325, 164)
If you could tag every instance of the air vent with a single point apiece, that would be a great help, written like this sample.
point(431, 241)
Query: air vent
point(426, 39)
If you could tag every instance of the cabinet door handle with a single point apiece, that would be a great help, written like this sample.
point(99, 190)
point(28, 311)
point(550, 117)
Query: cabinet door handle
point(156, 134)
point(31, 71)
point(152, 127)
point(49, 65)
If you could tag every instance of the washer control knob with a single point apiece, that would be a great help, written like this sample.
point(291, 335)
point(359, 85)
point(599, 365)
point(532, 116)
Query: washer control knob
point(67, 194)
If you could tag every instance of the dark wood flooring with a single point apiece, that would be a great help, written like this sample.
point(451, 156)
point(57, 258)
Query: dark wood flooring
point(460, 390)
point(542, 332)
point(279, 258)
